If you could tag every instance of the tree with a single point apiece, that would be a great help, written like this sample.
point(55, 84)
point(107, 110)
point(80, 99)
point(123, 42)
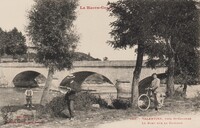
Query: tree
point(2, 42)
point(159, 28)
point(132, 27)
point(187, 64)
point(12, 43)
point(51, 30)
point(15, 44)
point(177, 31)
point(105, 58)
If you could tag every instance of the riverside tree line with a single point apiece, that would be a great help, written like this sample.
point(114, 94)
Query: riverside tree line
point(12, 43)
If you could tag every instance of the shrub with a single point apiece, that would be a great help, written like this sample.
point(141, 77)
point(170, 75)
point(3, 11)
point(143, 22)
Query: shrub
point(83, 102)
point(6, 112)
point(121, 104)
point(54, 107)
point(19, 114)
point(196, 100)
point(101, 102)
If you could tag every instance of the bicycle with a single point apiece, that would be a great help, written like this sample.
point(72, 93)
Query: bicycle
point(145, 100)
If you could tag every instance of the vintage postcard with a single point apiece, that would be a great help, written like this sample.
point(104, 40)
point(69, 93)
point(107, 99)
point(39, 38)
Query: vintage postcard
point(99, 63)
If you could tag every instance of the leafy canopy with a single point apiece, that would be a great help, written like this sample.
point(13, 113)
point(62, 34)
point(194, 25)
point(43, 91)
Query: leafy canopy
point(12, 42)
point(165, 27)
point(177, 30)
point(3, 40)
point(15, 44)
point(51, 30)
point(133, 22)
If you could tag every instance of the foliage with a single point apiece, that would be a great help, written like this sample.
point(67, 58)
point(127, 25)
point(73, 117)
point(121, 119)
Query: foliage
point(12, 42)
point(132, 24)
point(79, 56)
point(105, 59)
point(177, 32)
point(83, 102)
point(178, 25)
point(6, 112)
point(121, 104)
point(132, 27)
point(51, 30)
point(3, 40)
point(187, 69)
point(167, 31)
point(54, 107)
point(16, 43)
point(12, 113)
point(196, 100)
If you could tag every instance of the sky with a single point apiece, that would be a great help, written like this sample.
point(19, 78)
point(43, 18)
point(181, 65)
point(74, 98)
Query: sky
point(91, 24)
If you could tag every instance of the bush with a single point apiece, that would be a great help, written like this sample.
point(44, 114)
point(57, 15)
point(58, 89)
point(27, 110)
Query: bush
point(19, 113)
point(101, 102)
point(196, 100)
point(55, 106)
point(6, 112)
point(83, 102)
point(121, 104)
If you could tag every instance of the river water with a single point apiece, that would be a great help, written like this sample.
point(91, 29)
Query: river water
point(16, 96)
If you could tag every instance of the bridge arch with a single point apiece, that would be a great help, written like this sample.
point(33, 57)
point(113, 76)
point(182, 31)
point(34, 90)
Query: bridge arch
point(82, 76)
point(146, 82)
point(28, 78)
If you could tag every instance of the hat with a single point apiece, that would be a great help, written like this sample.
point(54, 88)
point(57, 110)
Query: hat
point(71, 76)
point(153, 74)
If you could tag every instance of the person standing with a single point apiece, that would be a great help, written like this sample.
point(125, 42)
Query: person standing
point(72, 89)
point(155, 87)
point(29, 94)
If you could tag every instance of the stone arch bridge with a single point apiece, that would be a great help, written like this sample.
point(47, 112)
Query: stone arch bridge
point(110, 70)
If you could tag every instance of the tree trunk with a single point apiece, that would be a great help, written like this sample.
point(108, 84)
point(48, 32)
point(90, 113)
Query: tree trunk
point(170, 77)
point(184, 90)
point(136, 75)
point(171, 67)
point(13, 58)
point(45, 96)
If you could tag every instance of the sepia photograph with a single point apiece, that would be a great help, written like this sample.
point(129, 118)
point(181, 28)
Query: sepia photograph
point(99, 63)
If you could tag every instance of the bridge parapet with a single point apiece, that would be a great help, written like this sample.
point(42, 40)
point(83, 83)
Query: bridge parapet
point(22, 65)
point(104, 64)
point(121, 64)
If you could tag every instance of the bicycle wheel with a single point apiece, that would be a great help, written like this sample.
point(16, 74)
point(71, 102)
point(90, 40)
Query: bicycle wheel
point(143, 102)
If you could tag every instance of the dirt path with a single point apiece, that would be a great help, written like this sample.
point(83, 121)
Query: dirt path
point(191, 120)
point(152, 120)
